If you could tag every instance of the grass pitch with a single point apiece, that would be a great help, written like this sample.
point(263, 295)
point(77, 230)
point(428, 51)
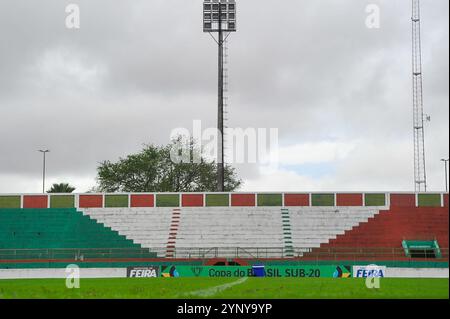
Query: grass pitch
point(225, 288)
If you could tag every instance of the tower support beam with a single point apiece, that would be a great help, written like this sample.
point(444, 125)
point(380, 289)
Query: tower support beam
point(420, 176)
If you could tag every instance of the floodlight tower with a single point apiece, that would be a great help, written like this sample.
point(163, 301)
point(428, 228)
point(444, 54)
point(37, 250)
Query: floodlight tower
point(219, 16)
point(44, 152)
point(420, 175)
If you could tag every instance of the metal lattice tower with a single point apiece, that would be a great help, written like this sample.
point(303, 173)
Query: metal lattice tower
point(420, 176)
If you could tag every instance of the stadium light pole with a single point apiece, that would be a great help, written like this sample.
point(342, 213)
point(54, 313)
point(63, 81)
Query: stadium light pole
point(44, 152)
point(219, 16)
point(446, 172)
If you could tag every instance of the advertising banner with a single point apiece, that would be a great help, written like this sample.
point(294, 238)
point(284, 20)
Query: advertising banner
point(370, 271)
point(249, 271)
point(143, 272)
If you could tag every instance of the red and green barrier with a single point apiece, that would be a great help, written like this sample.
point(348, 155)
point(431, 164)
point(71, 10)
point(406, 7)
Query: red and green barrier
point(173, 200)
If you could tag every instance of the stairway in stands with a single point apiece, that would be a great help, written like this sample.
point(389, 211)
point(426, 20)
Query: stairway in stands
point(174, 226)
point(287, 233)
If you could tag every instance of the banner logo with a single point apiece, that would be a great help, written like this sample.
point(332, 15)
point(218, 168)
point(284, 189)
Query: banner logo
point(143, 272)
point(169, 271)
point(342, 272)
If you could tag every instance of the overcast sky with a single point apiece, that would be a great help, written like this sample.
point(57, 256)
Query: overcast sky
point(339, 92)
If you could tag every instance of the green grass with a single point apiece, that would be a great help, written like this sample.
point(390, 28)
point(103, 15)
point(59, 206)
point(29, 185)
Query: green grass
point(252, 288)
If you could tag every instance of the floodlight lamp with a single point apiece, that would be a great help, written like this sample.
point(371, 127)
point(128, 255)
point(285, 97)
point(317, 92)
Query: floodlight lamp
point(219, 16)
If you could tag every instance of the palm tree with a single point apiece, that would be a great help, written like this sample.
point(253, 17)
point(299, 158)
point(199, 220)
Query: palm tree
point(61, 188)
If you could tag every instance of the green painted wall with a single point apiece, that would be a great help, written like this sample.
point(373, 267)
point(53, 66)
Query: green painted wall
point(62, 201)
point(322, 199)
point(375, 200)
point(270, 200)
point(112, 201)
point(167, 200)
point(9, 201)
point(429, 200)
point(217, 200)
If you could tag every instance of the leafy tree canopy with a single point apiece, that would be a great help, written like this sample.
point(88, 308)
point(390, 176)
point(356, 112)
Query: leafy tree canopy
point(61, 188)
point(153, 170)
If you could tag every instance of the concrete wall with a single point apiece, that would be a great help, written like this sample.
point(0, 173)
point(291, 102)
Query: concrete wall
point(138, 200)
point(122, 273)
point(417, 273)
point(61, 273)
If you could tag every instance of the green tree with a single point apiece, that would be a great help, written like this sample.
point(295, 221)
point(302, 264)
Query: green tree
point(61, 188)
point(154, 170)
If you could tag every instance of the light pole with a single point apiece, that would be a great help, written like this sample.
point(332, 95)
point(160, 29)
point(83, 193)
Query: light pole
point(43, 169)
point(446, 182)
point(219, 16)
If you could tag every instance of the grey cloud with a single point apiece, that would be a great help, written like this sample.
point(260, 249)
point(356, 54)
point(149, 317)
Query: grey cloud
point(136, 70)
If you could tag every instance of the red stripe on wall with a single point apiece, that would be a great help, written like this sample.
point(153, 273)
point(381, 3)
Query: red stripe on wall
point(35, 201)
point(192, 200)
point(349, 200)
point(246, 200)
point(91, 201)
point(142, 201)
point(296, 200)
point(403, 200)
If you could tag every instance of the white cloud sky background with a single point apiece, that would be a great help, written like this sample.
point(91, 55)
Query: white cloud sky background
point(339, 93)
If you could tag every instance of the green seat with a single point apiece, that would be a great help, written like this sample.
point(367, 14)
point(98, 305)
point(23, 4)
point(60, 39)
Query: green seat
point(58, 233)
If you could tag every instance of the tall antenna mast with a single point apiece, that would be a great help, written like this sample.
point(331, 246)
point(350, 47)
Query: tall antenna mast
point(420, 175)
point(219, 16)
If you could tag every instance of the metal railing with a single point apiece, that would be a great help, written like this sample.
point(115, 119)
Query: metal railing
point(314, 254)
point(76, 254)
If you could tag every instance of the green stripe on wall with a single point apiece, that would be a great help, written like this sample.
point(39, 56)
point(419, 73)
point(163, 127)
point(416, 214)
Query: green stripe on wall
point(62, 201)
point(375, 199)
point(167, 200)
point(9, 201)
point(322, 199)
point(270, 200)
point(429, 200)
point(112, 201)
point(217, 200)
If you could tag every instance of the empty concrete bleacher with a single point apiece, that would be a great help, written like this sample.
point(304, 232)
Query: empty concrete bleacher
point(148, 227)
point(382, 235)
point(315, 226)
point(232, 231)
point(60, 233)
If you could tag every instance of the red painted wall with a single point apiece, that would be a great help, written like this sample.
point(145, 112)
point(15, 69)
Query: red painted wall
point(349, 200)
point(296, 200)
point(192, 200)
point(142, 200)
point(389, 228)
point(243, 200)
point(445, 200)
point(91, 201)
point(35, 201)
point(403, 200)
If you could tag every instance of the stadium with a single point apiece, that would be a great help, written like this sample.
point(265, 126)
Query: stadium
point(227, 245)
point(153, 228)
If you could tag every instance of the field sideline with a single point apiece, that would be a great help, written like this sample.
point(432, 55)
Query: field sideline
point(225, 288)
